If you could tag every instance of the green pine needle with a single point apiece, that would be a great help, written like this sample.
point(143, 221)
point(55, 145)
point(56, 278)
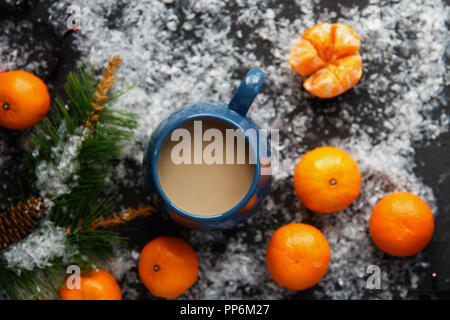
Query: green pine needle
point(87, 199)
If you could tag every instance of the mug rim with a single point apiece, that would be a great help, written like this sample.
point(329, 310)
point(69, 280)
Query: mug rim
point(162, 138)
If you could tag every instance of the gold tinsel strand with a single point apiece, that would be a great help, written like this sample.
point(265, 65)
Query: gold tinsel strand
point(19, 220)
point(101, 94)
point(127, 215)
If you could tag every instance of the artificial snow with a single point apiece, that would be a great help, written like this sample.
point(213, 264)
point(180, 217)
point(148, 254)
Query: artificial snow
point(198, 50)
point(403, 47)
point(29, 48)
point(52, 177)
point(38, 249)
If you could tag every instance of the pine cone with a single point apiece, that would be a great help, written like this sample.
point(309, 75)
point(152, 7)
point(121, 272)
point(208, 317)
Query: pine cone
point(18, 221)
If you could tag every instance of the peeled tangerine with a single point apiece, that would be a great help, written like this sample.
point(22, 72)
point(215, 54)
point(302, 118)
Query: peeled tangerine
point(329, 55)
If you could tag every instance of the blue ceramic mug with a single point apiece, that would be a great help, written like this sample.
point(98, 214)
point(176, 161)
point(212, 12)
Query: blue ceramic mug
point(233, 115)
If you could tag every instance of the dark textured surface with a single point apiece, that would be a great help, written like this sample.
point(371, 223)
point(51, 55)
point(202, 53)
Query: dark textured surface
point(432, 157)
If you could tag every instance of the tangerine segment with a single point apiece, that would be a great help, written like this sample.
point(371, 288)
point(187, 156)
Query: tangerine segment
point(345, 41)
point(401, 224)
point(336, 78)
point(330, 55)
point(321, 38)
point(348, 70)
point(323, 83)
point(99, 285)
point(304, 58)
point(168, 266)
point(297, 256)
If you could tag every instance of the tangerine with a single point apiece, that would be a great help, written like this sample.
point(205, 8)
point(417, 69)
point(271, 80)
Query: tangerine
point(327, 179)
point(297, 256)
point(401, 224)
point(24, 100)
point(329, 55)
point(168, 266)
point(99, 285)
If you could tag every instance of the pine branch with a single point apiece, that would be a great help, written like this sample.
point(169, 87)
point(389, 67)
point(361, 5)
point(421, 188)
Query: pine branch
point(78, 196)
point(98, 153)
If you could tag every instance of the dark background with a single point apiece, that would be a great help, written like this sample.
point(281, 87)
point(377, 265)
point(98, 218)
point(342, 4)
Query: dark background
point(432, 160)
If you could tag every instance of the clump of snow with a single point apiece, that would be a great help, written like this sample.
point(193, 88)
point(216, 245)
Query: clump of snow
point(124, 261)
point(199, 50)
point(52, 177)
point(48, 241)
point(38, 249)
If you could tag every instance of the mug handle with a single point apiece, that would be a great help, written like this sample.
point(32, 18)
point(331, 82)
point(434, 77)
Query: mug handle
point(247, 91)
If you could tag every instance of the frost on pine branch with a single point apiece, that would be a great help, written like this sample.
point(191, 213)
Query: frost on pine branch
point(39, 248)
point(73, 152)
point(52, 176)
